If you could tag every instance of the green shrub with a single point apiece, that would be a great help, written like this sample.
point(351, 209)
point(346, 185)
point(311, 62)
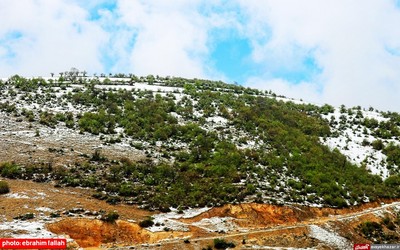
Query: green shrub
point(97, 156)
point(99, 196)
point(126, 190)
point(365, 142)
point(371, 229)
point(388, 223)
point(4, 188)
point(146, 223)
point(377, 145)
point(222, 244)
point(10, 170)
point(113, 200)
point(111, 217)
point(48, 119)
point(27, 216)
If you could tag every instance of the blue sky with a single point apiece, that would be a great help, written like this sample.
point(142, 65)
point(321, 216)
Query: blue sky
point(337, 52)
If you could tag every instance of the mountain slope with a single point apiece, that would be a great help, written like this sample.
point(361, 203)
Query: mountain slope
point(199, 143)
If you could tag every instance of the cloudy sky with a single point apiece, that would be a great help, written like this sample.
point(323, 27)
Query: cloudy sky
point(332, 51)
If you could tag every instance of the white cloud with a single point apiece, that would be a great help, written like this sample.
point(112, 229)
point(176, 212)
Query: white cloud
point(54, 36)
point(141, 37)
point(355, 44)
point(171, 37)
point(347, 39)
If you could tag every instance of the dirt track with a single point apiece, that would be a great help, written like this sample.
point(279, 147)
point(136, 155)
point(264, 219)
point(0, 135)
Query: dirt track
point(255, 224)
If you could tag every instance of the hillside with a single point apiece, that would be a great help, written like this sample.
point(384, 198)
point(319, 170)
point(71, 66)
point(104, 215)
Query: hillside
point(73, 214)
point(174, 143)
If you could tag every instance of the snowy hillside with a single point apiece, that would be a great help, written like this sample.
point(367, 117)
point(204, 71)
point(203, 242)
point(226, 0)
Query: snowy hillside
point(152, 139)
point(354, 138)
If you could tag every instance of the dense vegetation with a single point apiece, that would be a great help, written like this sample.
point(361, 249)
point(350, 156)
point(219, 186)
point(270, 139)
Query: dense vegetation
point(265, 150)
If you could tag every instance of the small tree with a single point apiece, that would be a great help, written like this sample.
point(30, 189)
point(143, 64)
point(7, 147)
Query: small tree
point(377, 145)
point(4, 188)
point(222, 244)
point(10, 170)
point(147, 222)
point(111, 217)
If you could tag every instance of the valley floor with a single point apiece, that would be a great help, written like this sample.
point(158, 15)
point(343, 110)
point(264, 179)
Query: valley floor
point(72, 213)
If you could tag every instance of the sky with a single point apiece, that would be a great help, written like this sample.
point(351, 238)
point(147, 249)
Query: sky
point(333, 51)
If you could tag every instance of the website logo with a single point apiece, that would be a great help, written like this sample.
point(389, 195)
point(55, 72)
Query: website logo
point(362, 247)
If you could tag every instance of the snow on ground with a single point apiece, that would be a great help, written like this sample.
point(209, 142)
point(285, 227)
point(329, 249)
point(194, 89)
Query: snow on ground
point(351, 137)
point(217, 224)
point(179, 96)
point(26, 229)
point(166, 220)
point(217, 119)
point(144, 86)
point(168, 224)
point(21, 195)
point(286, 99)
point(374, 115)
point(350, 144)
point(248, 144)
point(117, 87)
point(113, 79)
point(40, 195)
point(329, 238)
point(141, 86)
point(44, 209)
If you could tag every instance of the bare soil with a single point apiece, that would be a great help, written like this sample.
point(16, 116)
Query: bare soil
point(29, 143)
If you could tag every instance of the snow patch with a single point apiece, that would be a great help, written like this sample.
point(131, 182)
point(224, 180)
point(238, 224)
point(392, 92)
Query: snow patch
point(44, 209)
point(21, 195)
point(24, 195)
point(140, 86)
point(330, 238)
point(26, 229)
point(217, 119)
point(217, 224)
point(350, 138)
point(166, 220)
